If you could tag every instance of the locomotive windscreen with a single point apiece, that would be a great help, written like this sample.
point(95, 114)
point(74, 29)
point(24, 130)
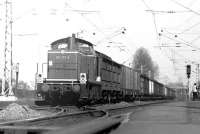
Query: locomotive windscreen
point(62, 65)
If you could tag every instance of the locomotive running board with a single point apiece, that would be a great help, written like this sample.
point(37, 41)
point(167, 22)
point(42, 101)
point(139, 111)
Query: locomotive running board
point(61, 80)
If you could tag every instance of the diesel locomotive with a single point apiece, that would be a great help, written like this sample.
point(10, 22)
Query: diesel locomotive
point(77, 74)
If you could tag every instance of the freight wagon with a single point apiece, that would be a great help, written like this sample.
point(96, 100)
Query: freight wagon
point(78, 75)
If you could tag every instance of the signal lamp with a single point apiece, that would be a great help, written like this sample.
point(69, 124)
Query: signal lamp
point(188, 71)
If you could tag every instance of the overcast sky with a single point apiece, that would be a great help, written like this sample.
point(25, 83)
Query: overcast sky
point(37, 23)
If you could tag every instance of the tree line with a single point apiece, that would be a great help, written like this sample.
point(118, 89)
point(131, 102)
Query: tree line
point(143, 63)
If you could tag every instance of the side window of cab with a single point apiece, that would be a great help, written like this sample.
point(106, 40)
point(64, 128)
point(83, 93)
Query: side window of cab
point(63, 46)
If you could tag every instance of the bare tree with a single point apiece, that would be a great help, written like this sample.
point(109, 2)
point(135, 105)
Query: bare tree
point(143, 63)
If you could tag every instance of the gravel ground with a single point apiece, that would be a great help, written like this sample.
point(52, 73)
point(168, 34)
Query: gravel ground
point(15, 111)
point(20, 110)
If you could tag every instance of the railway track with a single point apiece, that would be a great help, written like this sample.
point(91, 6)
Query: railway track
point(55, 121)
point(124, 109)
point(106, 120)
point(55, 110)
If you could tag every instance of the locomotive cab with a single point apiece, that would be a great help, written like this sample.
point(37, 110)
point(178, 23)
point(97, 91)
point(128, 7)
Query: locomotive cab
point(65, 58)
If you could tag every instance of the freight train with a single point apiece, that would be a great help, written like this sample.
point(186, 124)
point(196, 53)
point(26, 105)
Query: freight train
point(77, 74)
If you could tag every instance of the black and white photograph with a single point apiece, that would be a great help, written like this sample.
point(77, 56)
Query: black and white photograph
point(99, 67)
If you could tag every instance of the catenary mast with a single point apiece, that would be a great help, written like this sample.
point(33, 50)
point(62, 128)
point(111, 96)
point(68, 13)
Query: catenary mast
point(8, 63)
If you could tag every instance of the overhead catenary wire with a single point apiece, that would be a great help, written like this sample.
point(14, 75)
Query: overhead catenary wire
point(149, 9)
point(195, 39)
point(154, 21)
point(192, 2)
point(189, 9)
point(120, 31)
point(147, 6)
point(176, 37)
point(177, 27)
point(31, 11)
point(156, 29)
point(185, 59)
point(167, 11)
point(191, 27)
point(83, 16)
point(189, 44)
point(185, 42)
point(180, 40)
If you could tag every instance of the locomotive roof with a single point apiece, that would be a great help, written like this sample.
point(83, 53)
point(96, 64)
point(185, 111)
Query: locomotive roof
point(67, 40)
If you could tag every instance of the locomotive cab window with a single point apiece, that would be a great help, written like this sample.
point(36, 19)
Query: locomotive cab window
point(85, 48)
point(63, 46)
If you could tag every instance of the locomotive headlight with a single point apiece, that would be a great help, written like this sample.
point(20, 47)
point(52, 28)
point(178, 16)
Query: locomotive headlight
point(76, 88)
point(45, 88)
point(39, 95)
point(50, 63)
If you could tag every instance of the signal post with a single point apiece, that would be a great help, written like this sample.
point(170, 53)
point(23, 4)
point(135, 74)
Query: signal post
point(188, 72)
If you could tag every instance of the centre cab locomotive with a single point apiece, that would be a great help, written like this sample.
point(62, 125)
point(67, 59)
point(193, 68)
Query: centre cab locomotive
point(77, 74)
